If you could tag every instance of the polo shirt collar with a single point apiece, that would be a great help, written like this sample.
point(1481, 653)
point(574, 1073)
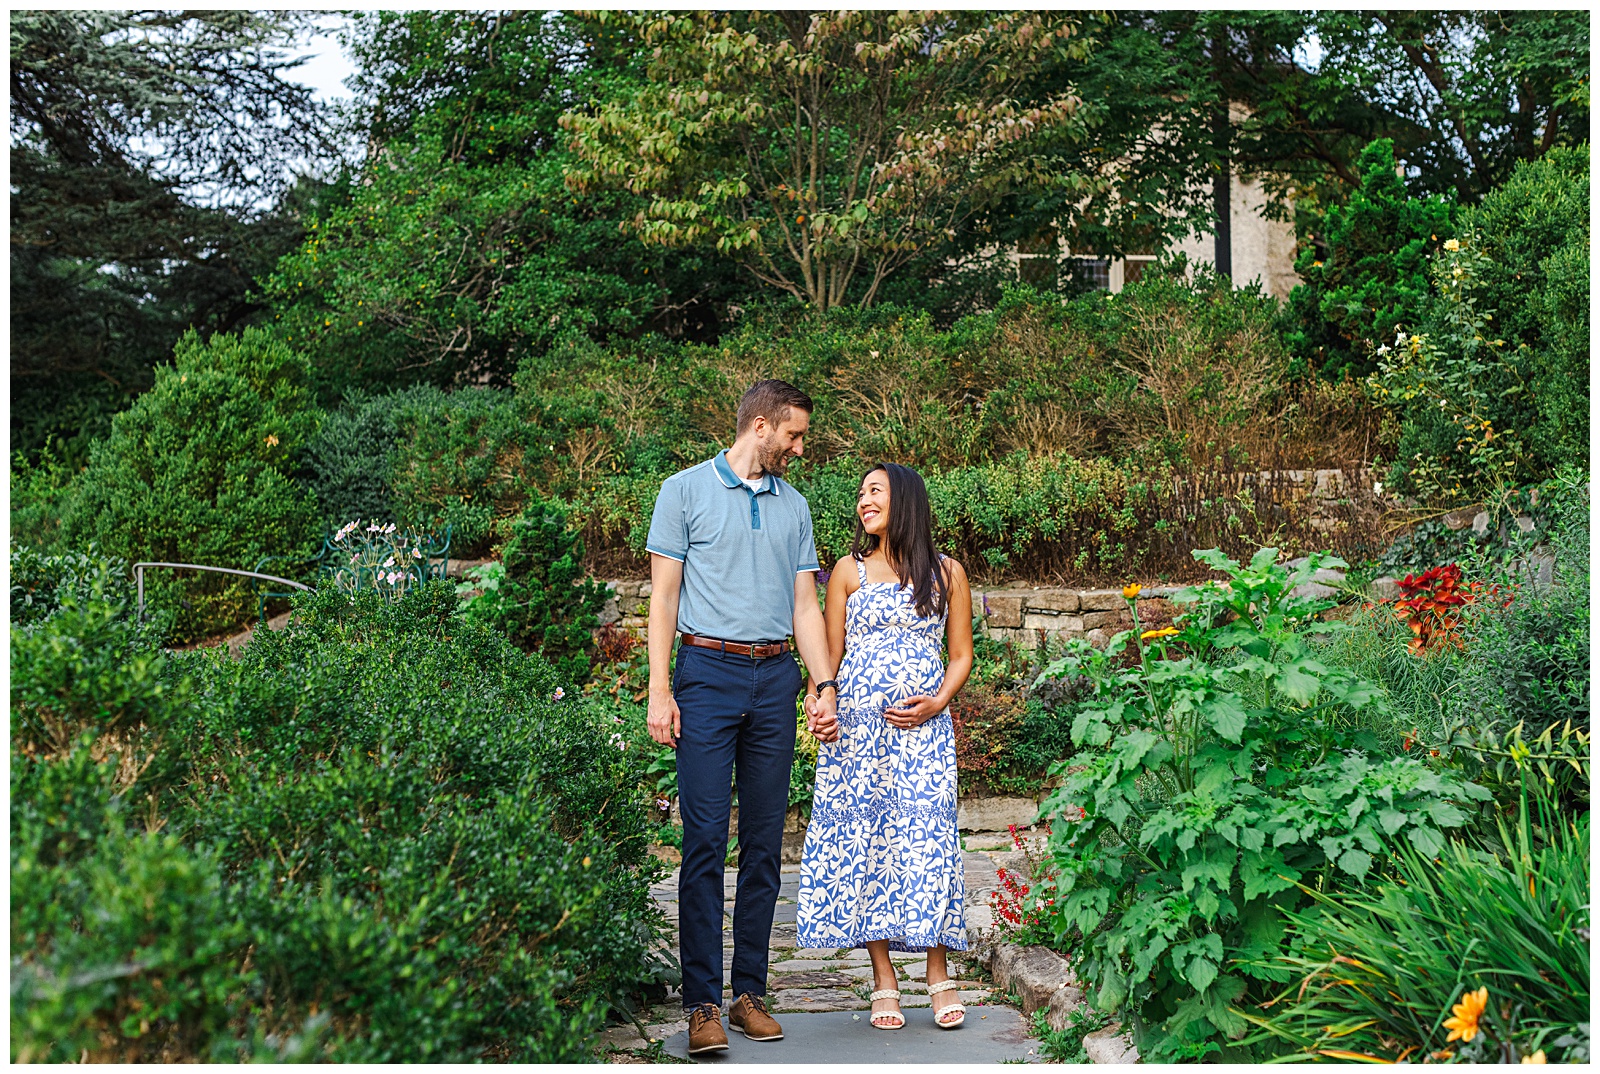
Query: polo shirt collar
point(726, 475)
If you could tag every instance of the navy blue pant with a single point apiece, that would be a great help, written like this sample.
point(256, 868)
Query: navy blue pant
point(738, 716)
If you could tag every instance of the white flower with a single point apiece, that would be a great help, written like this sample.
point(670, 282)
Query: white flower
point(389, 562)
point(1377, 488)
point(1400, 339)
point(1384, 349)
point(559, 694)
point(416, 553)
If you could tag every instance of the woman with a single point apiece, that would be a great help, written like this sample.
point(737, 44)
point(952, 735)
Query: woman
point(882, 861)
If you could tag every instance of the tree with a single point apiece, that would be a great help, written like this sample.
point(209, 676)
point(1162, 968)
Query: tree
point(1479, 90)
point(1446, 88)
point(461, 250)
point(144, 146)
point(1372, 279)
point(824, 151)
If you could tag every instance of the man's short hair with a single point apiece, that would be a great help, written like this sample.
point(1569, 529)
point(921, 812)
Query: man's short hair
point(770, 399)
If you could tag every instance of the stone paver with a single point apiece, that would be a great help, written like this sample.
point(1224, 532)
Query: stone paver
point(990, 1035)
point(821, 994)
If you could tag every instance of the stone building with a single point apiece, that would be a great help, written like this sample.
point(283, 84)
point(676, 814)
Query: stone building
point(1246, 247)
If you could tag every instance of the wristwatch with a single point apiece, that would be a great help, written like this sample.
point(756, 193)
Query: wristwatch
point(821, 686)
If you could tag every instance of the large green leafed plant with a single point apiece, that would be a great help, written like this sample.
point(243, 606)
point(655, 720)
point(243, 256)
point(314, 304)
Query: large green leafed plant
point(1215, 778)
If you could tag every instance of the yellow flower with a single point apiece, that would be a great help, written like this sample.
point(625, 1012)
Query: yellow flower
point(1463, 1020)
point(1130, 590)
point(1452, 245)
point(272, 439)
point(1164, 632)
point(1536, 1057)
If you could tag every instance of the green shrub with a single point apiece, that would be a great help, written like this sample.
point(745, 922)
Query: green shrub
point(539, 597)
point(1376, 974)
point(199, 470)
point(350, 460)
point(1523, 676)
point(1214, 781)
point(40, 490)
point(1045, 425)
point(380, 839)
point(41, 584)
point(1535, 230)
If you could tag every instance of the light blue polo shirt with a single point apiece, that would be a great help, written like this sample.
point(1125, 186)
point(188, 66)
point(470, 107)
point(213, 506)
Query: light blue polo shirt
point(740, 549)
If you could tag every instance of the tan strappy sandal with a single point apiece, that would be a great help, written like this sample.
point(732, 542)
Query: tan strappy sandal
point(941, 1015)
point(887, 993)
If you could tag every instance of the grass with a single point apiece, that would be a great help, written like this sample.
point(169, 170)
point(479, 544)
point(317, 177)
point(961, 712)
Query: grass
point(1375, 647)
point(1066, 1045)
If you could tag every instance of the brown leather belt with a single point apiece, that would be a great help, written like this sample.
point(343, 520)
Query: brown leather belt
point(754, 652)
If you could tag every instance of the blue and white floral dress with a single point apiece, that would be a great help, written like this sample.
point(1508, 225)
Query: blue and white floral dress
point(882, 858)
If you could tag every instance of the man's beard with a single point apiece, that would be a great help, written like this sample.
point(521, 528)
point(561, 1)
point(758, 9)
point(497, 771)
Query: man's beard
point(774, 460)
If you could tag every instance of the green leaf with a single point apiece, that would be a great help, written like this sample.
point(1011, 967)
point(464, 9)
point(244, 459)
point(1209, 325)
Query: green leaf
point(1227, 715)
point(1356, 863)
point(1263, 559)
point(1392, 820)
point(1132, 747)
point(1426, 840)
point(1202, 971)
point(1113, 990)
point(1214, 558)
point(1298, 684)
point(1446, 815)
point(1265, 873)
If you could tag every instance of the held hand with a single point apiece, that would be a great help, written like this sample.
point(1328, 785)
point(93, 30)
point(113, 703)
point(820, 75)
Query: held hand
point(821, 717)
point(664, 719)
point(912, 712)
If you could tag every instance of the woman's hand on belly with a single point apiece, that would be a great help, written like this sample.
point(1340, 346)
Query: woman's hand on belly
point(913, 711)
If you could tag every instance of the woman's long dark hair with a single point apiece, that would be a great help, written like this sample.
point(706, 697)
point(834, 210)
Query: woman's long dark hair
point(911, 551)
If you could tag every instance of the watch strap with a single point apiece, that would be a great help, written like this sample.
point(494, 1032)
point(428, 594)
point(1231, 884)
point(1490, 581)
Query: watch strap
point(821, 686)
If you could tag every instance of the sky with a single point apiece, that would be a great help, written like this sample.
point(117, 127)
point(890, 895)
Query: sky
point(328, 66)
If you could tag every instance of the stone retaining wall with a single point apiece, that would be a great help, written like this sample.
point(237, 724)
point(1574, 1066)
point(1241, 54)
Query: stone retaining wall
point(1026, 615)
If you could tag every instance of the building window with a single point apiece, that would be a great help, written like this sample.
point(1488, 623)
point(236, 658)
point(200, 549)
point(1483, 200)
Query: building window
point(1093, 272)
point(1133, 269)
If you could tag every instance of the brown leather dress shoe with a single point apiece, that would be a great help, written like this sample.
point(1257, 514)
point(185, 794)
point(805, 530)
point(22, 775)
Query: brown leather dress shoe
point(749, 1016)
point(705, 1030)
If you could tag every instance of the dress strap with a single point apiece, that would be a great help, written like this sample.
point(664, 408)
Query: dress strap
point(861, 570)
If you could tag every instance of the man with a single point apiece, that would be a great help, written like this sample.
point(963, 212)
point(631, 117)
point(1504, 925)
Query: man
point(732, 565)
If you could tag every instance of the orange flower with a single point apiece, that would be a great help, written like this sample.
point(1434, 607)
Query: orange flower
point(1536, 1057)
point(1130, 590)
point(1463, 1020)
point(272, 439)
point(1164, 632)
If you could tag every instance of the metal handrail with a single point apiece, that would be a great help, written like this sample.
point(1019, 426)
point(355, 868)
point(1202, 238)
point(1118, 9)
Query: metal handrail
point(138, 574)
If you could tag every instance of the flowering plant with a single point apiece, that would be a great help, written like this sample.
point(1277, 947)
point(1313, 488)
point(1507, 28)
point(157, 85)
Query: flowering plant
point(1431, 603)
point(379, 556)
point(1022, 911)
point(1466, 374)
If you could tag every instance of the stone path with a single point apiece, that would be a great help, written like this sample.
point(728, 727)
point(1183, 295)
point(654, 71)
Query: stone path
point(835, 982)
